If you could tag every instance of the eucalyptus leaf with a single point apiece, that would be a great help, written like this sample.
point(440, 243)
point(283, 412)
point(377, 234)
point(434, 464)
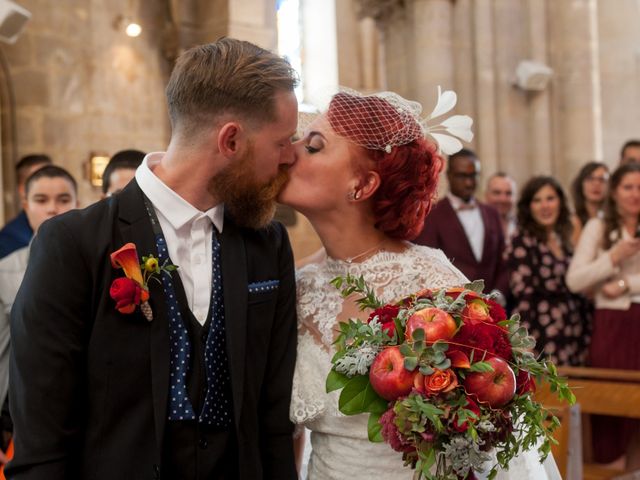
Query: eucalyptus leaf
point(410, 363)
point(418, 334)
point(406, 350)
point(481, 367)
point(476, 286)
point(426, 370)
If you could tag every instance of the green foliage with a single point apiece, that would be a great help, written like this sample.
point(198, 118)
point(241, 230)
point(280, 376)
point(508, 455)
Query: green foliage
point(374, 428)
point(335, 381)
point(351, 284)
point(358, 396)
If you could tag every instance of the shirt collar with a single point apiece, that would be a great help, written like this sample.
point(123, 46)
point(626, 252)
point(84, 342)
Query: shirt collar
point(457, 202)
point(173, 207)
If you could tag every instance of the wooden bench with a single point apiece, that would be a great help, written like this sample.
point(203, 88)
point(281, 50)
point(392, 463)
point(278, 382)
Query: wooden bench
point(598, 391)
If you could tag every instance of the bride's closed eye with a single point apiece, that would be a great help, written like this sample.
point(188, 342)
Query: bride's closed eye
point(314, 142)
point(311, 149)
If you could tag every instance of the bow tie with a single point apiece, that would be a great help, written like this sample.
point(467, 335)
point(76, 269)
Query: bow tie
point(466, 206)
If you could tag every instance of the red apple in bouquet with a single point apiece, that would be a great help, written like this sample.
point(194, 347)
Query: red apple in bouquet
point(497, 387)
point(388, 376)
point(437, 324)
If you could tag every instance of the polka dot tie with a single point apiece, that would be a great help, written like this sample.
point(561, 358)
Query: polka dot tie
point(216, 410)
point(217, 403)
point(179, 346)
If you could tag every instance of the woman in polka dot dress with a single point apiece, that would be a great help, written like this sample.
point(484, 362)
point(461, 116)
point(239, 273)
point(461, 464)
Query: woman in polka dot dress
point(538, 258)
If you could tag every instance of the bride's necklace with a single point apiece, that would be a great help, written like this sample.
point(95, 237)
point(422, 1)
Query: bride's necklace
point(374, 249)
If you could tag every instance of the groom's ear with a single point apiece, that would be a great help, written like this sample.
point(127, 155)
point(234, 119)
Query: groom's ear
point(369, 185)
point(230, 138)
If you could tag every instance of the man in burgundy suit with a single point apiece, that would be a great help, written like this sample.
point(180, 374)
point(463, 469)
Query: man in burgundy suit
point(467, 231)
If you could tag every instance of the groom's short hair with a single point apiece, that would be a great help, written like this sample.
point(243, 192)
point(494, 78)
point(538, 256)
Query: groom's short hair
point(228, 76)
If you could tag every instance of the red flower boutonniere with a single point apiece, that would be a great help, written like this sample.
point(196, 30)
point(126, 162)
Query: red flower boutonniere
point(133, 290)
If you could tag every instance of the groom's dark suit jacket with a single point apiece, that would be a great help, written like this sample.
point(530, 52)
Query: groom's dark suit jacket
point(89, 386)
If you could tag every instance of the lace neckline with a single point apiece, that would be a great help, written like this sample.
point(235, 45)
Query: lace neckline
point(382, 256)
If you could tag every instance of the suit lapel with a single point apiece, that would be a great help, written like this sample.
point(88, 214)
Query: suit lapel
point(459, 232)
point(486, 250)
point(135, 227)
point(234, 276)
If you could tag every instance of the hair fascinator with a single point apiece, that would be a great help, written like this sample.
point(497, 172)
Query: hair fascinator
point(384, 120)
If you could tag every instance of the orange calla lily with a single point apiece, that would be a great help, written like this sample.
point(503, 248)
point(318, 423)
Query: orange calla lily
point(458, 359)
point(127, 259)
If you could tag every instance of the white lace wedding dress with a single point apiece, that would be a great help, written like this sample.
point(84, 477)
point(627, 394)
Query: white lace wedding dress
point(340, 448)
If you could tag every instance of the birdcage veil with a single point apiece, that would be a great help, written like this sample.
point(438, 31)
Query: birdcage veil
point(384, 120)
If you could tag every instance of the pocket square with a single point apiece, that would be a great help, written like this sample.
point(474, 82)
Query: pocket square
point(266, 286)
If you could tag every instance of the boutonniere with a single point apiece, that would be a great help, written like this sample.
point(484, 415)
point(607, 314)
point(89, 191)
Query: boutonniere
point(133, 289)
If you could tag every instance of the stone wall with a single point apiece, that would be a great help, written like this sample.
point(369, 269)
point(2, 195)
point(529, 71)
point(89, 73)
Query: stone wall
point(81, 85)
point(587, 111)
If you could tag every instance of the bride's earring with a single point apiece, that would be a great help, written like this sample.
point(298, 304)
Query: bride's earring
point(355, 195)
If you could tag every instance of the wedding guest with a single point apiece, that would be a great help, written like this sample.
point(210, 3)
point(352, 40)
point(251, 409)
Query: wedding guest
point(17, 233)
point(120, 171)
point(607, 261)
point(468, 231)
point(589, 190)
point(630, 152)
point(50, 191)
point(537, 260)
point(501, 195)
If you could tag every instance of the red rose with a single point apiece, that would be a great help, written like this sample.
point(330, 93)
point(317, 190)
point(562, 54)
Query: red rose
point(471, 405)
point(496, 311)
point(385, 314)
point(127, 294)
point(480, 337)
point(525, 383)
point(389, 328)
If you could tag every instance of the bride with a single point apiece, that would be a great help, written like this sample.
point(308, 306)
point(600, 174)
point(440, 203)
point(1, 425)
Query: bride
point(365, 177)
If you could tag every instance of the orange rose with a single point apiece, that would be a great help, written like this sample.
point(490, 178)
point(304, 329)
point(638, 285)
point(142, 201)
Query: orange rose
point(476, 311)
point(440, 381)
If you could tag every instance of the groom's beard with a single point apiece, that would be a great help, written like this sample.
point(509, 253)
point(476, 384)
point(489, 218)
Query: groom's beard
point(251, 203)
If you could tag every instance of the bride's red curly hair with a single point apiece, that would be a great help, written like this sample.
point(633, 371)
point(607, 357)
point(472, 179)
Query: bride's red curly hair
point(408, 174)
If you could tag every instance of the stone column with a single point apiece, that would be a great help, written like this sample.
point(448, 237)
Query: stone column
point(576, 96)
point(539, 121)
point(485, 126)
point(203, 21)
point(432, 59)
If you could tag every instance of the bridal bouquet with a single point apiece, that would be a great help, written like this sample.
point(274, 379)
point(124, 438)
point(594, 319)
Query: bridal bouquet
point(445, 377)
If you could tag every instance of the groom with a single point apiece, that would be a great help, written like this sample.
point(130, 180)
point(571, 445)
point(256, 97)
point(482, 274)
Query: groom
point(202, 390)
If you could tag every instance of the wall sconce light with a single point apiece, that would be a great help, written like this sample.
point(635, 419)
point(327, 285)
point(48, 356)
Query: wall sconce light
point(130, 27)
point(95, 168)
point(532, 76)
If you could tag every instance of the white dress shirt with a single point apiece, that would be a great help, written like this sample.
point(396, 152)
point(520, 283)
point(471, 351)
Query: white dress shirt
point(187, 232)
point(471, 221)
